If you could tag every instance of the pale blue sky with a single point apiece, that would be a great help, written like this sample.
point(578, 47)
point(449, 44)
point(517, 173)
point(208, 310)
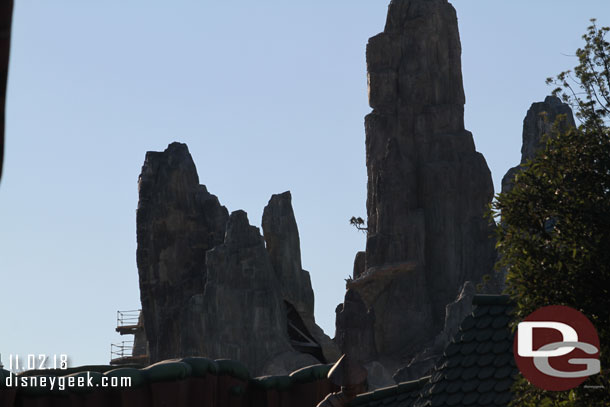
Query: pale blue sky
point(269, 96)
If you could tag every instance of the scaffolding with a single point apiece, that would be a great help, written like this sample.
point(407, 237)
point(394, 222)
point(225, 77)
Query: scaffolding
point(122, 353)
point(128, 322)
point(121, 350)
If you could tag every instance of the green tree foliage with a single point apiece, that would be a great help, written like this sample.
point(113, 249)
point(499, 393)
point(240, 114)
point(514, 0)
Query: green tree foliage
point(554, 229)
point(586, 88)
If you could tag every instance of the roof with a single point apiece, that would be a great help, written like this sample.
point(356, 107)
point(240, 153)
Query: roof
point(477, 368)
point(220, 379)
point(403, 394)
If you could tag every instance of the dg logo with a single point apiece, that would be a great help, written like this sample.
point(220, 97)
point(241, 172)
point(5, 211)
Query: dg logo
point(556, 348)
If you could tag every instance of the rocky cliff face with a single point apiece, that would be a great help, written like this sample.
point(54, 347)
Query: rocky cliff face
point(538, 121)
point(178, 221)
point(240, 314)
point(284, 247)
point(428, 187)
point(208, 284)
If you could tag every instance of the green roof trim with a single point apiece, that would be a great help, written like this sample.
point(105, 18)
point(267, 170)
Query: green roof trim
point(137, 376)
point(200, 367)
point(167, 370)
point(232, 368)
point(76, 369)
point(397, 395)
point(311, 373)
point(164, 371)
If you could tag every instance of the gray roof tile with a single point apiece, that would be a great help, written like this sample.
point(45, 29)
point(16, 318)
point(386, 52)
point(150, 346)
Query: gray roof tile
point(486, 399)
point(477, 369)
point(485, 359)
point(484, 321)
point(484, 348)
point(484, 335)
point(470, 360)
point(455, 399)
point(470, 398)
point(470, 373)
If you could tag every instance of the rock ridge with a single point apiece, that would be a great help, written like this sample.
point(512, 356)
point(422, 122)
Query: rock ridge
point(211, 285)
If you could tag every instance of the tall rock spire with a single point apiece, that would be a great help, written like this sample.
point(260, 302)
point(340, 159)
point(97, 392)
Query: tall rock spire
point(178, 221)
point(539, 121)
point(428, 188)
point(283, 244)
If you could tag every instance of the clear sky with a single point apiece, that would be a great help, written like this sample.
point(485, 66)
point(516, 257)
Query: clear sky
point(269, 96)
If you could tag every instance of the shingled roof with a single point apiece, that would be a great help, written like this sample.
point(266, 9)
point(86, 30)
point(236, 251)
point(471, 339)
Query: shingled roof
point(477, 367)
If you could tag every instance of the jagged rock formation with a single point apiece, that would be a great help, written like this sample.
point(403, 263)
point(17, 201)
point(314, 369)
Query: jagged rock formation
point(240, 314)
point(209, 286)
point(284, 247)
point(428, 188)
point(178, 221)
point(538, 121)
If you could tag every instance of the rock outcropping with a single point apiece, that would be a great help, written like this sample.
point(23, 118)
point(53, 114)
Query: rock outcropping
point(284, 247)
point(428, 188)
point(178, 221)
point(240, 315)
point(538, 121)
point(208, 284)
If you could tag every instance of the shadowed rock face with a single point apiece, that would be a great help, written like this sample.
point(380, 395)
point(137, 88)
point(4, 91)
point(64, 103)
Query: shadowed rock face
point(284, 247)
point(538, 121)
point(359, 264)
point(355, 328)
point(209, 286)
point(178, 221)
point(428, 188)
point(240, 313)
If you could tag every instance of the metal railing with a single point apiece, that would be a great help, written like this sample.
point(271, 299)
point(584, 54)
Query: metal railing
point(127, 318)
point(121, 350)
